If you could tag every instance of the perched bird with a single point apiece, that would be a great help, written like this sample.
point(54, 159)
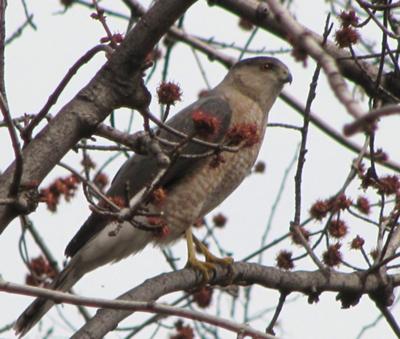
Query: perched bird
point(198, 179)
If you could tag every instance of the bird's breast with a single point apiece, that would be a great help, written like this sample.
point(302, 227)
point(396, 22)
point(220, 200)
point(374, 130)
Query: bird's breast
point(231, 171)
point(212, 181)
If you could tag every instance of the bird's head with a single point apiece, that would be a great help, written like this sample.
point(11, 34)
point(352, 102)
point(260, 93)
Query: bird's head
point(260, 78)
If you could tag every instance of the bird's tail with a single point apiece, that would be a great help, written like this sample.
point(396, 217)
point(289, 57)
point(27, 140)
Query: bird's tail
point(35, 311)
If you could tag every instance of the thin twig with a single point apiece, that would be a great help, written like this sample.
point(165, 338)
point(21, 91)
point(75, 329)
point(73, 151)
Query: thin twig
point(150, 307)
point(305, 40)
point(20, 119)
point(18, 32)
point(328, 130)
point(92, 186)
point(303, 145)
point(103, 147)
point(135, 330)
point(233, 46)
point(278, 310)
point(159, 123)
point(27, 133)
point(282, 125)
point(28, 16)
point(389, 318)
point(16, 147)
point(100, 16)
point(367, 56)
point(275, 205)
point(366, 120)
point(27, 224)
point(301, 160)
point(369, 326)
point(378, 6)
point(309, 250)
point(6, 327)
point(385, 31)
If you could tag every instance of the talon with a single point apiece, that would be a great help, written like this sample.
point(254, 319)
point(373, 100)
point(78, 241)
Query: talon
point(201, 266)
point(211, 260)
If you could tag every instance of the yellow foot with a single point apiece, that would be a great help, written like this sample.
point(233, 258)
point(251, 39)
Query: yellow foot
point(211, 260)
point(203, 267)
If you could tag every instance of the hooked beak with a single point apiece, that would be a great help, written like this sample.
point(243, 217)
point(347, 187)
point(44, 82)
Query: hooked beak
point(289, 78)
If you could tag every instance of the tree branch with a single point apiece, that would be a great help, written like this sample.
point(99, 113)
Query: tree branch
point(249, 10)
point(117, 84)
point(131, 306)
point(241, 274)
point(366, 121)
point(16, 179)
point(3, 5)
point(259, 14)
point(27, 132)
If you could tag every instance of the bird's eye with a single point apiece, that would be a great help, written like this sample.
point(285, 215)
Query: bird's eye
point(267, 66)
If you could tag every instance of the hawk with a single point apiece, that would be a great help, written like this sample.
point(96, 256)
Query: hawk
point(234, 113)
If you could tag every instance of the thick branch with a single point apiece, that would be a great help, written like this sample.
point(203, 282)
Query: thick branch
point(242, 274)
point(361, 72)
point(117, 84)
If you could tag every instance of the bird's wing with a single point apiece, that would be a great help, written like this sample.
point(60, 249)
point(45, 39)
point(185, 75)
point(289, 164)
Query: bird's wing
point(139, 170)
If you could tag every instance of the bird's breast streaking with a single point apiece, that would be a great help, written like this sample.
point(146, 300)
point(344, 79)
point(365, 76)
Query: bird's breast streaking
point(207, 186)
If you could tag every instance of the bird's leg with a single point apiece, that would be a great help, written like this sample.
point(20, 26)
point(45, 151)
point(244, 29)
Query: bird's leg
point(193, 262)
point(211, 260)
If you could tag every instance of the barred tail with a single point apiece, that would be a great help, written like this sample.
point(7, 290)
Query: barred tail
point(35, 311)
